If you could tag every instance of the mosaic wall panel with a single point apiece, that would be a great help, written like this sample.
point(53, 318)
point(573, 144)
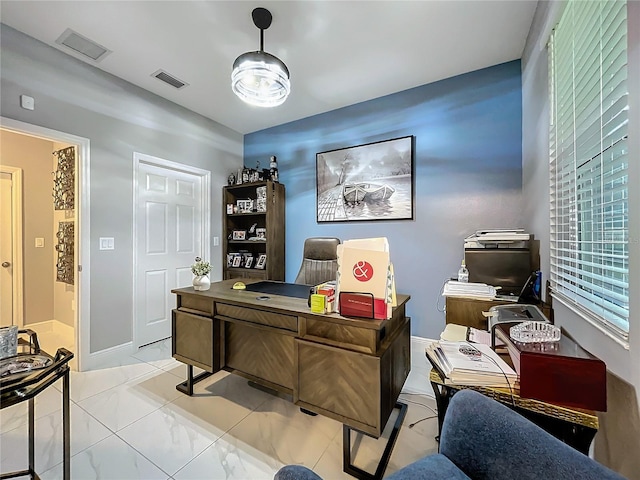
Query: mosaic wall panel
point(64, 179)
point(64, 265)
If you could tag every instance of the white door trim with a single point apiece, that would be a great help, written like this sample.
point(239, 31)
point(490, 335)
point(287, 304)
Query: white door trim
point(16, 247)
point(82, 321)
point(205, 209)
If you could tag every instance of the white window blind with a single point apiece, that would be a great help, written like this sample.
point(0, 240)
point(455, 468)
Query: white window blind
point(588, 161)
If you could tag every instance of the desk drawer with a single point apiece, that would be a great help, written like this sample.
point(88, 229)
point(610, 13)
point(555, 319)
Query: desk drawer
point(259, 352)
point(202, 305)
point(262, 317)
point(354, 388)
point(193, 340)
point(343, 336)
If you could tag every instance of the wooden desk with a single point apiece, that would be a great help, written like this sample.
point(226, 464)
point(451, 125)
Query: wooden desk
point(575, 427)
point(351, 370)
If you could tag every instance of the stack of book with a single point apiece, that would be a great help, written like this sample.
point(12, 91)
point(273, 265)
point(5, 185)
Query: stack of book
point(464, 363)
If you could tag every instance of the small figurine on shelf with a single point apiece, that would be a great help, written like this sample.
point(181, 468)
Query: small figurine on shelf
point(273, 169)
point(231, 180)
point(245, 175)
point(259, 172)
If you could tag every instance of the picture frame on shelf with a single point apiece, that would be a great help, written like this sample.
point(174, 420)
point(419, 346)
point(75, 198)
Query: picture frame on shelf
point(245, 206)
point(261, 233)
point(237, 260)
point(262, 261)
point(248, 261)
point(239, 235)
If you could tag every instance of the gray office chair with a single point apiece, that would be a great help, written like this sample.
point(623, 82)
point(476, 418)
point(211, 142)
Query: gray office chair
point(319, 261)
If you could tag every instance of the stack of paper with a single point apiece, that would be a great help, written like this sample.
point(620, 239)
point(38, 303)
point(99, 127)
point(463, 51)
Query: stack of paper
point(469, 289)
point(364, 267)
point(486, 369)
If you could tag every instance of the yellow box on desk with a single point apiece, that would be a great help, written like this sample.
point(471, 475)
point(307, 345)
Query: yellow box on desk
point(323, 300)
point(319, 303)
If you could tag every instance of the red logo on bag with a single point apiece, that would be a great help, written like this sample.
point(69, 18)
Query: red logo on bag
point(363, 271)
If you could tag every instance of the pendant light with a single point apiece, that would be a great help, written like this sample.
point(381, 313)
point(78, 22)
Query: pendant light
point(259, 78)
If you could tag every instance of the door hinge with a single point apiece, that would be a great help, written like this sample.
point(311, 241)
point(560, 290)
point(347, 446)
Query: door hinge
point(79, 268)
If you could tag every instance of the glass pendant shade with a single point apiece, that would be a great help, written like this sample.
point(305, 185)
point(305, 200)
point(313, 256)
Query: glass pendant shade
point(260, 79)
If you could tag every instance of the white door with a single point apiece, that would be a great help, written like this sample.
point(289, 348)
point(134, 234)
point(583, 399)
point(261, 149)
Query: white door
point(169, 235)
point(6, 251)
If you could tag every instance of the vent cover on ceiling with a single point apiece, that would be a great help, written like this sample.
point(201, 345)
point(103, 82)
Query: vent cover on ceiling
point(82, 45)
point(170, 79)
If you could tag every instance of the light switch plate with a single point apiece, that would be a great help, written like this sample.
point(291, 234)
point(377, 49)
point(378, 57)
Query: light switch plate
point(39, 242)
point(107, 243)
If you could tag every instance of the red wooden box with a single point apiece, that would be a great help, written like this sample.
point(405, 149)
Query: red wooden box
point(558, 372)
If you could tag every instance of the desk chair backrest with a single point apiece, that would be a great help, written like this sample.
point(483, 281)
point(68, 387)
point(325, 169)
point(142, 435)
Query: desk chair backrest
point(319, 261)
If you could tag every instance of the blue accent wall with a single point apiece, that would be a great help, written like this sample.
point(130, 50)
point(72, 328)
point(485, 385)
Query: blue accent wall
point(467, 175)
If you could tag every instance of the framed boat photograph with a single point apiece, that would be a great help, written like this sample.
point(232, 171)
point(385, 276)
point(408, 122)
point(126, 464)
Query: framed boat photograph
point(367, 182)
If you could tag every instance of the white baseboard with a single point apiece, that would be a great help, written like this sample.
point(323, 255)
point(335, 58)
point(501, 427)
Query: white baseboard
point(63, 329)
point(49, 326)
point(45, 327)
point(420, 340)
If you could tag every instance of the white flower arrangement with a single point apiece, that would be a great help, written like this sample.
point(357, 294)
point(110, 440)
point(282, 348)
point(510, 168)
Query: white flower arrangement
point(200, 267)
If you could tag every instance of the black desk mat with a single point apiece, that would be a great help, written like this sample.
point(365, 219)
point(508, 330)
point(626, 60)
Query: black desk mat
point(280, 288)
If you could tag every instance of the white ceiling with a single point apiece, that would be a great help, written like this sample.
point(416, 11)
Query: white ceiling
point(338, 52)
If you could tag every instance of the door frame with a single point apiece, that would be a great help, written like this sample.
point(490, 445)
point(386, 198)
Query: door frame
point(16, 243)
point(82, 240)
point(205, 209)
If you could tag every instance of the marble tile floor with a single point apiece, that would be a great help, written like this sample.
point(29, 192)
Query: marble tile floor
point(129, 422)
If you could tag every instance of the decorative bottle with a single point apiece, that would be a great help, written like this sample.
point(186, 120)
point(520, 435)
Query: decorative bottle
point(463, 273)
point(273, 169)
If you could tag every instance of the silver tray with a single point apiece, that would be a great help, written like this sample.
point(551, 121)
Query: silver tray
point(23, 364)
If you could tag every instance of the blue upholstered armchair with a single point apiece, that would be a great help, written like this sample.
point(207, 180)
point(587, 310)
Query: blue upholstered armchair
point(483, 439)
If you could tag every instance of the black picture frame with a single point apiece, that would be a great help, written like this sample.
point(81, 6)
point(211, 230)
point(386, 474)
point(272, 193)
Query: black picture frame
point(261, 262)
point(368, 182)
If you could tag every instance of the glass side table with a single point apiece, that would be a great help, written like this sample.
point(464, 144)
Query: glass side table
point(26, 374)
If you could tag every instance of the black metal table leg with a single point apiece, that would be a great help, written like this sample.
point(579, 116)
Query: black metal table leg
point(66, 428)
point(442, 395)
point(187, 386)
point(354, 471)
point(32, 434)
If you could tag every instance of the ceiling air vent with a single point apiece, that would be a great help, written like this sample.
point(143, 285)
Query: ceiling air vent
point(170, 79)
point(82, 45)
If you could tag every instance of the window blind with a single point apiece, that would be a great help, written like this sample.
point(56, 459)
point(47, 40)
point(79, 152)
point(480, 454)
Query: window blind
point(588, 162)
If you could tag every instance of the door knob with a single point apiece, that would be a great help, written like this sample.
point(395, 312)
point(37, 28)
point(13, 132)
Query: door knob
point(6, 264)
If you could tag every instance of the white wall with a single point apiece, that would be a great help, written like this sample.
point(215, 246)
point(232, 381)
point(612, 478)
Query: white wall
point(623, 362)
point(119, 119)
